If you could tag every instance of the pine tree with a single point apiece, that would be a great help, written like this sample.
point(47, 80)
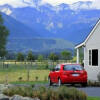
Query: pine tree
point(3, 37)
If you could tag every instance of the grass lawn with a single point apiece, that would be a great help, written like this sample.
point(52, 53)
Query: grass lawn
point(15, 71)
point(30, 82)
point(14, 76)
point(93, 98)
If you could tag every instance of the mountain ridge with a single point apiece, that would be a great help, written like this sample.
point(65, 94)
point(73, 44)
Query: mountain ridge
point(56, 21)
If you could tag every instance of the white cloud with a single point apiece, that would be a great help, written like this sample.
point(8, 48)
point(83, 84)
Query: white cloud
point(23, 3)
point(95, 3)
point(57, 2)
point(17, 3)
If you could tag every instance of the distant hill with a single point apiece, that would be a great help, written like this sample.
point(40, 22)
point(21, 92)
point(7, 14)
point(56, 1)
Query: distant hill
point(18, 29)
point(39, 45)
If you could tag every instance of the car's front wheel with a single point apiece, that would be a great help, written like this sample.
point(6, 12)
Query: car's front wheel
point(50, 82)
point(59, 82)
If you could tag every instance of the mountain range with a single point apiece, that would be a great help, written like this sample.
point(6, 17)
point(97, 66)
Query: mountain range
point(69, 22)
point(39, 45)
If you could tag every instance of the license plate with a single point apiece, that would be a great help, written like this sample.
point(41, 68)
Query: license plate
point(75, 74)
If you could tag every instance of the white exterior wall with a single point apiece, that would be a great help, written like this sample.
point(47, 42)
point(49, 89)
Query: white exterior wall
point(92, 43)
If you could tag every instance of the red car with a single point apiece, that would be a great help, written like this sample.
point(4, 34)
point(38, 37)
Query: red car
point(68, 74)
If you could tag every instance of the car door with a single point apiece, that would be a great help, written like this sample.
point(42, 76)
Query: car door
point(52, 75)
point(57, 73)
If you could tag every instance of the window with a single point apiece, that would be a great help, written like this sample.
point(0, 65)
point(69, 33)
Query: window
point(93, 57)
point(90, 57)
point(57, 68)
point(72, 67)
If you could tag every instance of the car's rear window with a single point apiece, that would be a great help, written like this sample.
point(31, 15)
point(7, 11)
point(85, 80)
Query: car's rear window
point(72, 67)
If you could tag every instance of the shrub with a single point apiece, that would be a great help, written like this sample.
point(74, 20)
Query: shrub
point(46, 66)
point(62, 93)
point(94, 83)
point(36, 78)
point(98, 76)
point(71, 94)
point(23, 91)
point(20, 78)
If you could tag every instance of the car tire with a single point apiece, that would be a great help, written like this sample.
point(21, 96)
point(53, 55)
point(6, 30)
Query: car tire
point(50, 83)
point(84, 84)
point(59, 82)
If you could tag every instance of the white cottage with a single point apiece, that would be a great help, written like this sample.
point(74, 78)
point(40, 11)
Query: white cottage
point(91, 52)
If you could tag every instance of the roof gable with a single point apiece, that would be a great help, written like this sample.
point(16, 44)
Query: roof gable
point(93, 30)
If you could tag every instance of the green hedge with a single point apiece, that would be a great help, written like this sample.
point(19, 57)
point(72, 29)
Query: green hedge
point(61, 93)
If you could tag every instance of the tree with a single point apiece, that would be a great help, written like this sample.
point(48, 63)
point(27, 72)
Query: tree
point(20, 57)
point(53, 57)
point(40, 58)
point(3, 37)
point(30, 56)
point(66, 55)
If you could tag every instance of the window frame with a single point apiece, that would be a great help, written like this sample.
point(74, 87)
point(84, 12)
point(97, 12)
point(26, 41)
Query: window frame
point(97, 57)
point(91, 57)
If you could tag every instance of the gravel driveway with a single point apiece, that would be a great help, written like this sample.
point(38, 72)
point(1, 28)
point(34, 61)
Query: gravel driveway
point(91, 91)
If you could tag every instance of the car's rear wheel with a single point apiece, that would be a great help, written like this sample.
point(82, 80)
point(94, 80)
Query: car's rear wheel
point(50, 82)
point(59, 82)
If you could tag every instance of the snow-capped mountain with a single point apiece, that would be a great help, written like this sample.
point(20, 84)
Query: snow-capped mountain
point(61, 21)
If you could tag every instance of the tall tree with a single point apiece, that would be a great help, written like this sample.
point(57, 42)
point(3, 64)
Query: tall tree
point(30, 56)
point(53, 57)
point(20, 57)
point(40, 58)
point(66, 55)
point(3, 37)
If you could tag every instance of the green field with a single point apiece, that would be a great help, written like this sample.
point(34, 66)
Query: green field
point(20, 69)
point(15, 70)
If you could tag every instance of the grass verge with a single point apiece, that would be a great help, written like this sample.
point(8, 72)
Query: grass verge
point(93, 98)
point(29, 82)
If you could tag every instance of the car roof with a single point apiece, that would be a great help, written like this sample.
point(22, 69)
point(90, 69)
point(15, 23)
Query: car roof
point(69, 64)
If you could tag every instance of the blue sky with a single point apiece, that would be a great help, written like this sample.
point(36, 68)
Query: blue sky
point(21, 3)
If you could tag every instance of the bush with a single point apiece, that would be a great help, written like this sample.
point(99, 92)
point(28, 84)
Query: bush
point(20, 78)
point(23, 91)
point(36, 78)
point(94, 83)
point(71, 94)
point(98, 76)
point(62, 93)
